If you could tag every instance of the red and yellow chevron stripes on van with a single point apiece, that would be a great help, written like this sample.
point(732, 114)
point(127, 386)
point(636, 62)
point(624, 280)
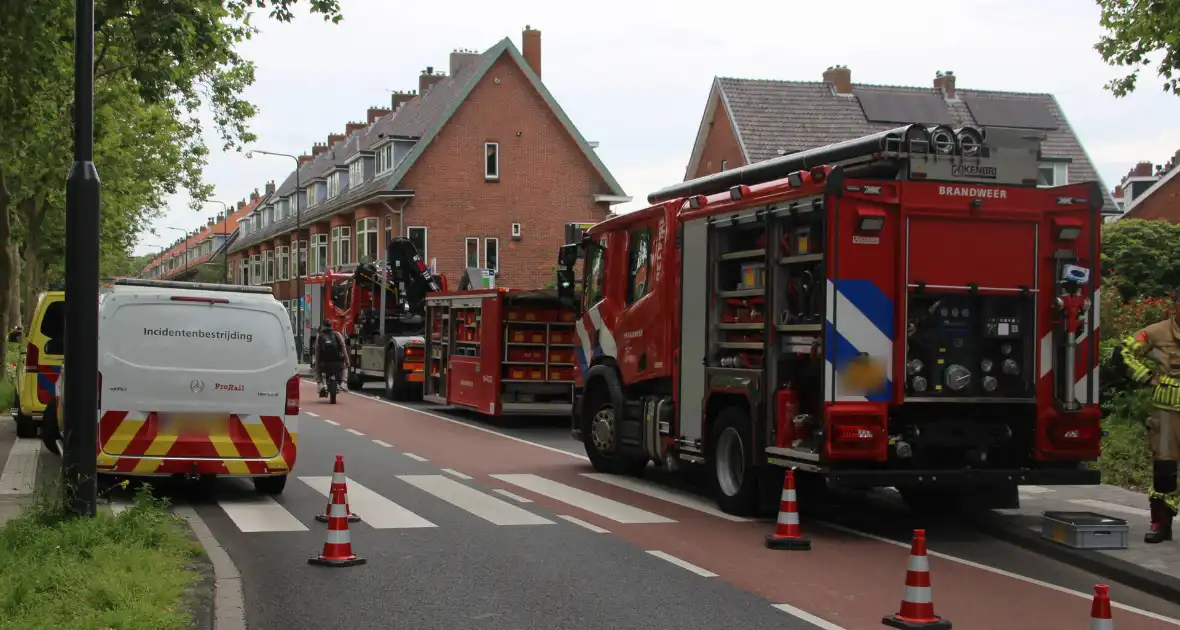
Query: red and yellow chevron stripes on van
point(132, 443)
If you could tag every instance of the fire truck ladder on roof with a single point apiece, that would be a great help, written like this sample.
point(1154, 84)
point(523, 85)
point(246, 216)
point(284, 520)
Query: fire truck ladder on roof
point(996, 156)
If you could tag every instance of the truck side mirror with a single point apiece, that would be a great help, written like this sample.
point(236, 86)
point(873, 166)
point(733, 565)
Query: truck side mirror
point(567, 256)
point(565, 286)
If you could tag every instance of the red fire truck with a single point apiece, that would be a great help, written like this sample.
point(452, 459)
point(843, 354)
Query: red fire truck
point(907, 309)
point(390, 348)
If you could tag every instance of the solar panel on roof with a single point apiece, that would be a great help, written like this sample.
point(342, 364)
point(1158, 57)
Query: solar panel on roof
point(894, 107)
point(991, 111)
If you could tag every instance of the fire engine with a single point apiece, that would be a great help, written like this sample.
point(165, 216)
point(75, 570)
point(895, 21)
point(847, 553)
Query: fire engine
point(354, 297)
point(907, 309)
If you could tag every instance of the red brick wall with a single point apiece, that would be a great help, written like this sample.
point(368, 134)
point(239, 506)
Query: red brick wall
point(720, 144)
point(545, 182)
point(1163, 203)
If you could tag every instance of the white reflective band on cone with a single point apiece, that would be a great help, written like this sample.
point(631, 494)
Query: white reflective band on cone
point(788, 518)
point(337, 478)
point(788, 495)
point(918, 563)
point(917, 594)
point(337, 536)
point(338, 511)
point(1101, 624)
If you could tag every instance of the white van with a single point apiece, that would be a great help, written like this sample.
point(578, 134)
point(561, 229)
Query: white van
point(194, 379)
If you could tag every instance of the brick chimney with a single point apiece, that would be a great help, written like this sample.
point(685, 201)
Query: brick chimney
point(254, 196)
point(1142, 169)
point(333, 138)
point(270, 187)
point(401, 98)
point(354, 126)
point(945, 82)
point(461, 59)
point(530, 42)
point(840, 78)
point(304, 159)
point(241, 204)
point(428, 79)
point(376, 113)
point(318, 148)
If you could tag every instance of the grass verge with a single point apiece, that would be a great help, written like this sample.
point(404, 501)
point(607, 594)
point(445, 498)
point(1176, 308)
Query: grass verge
point(129, 572)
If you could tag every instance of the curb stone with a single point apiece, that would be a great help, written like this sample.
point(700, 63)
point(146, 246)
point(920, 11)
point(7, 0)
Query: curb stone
point(226, 603)
point(1138, 577)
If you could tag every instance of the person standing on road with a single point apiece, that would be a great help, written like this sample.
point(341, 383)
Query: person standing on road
point(329, 355)
point(1160, 342)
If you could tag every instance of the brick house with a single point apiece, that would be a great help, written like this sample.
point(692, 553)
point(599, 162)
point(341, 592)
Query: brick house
point(204, 245)
point(480, 168)
point(1151, 191)
point(751, 120)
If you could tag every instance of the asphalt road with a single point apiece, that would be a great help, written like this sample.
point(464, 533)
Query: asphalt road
point(467, 525)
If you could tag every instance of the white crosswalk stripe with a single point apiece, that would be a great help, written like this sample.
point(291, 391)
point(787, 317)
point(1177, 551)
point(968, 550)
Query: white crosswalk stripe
point(377, 511)
point(261, 513)
point(467, 498)
point(588, 501)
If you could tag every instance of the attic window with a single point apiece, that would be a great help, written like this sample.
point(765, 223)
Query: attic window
point(491, 162)
point(1052, 174)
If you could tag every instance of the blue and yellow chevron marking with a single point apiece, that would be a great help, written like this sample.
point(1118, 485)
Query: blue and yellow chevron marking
point(860, 341)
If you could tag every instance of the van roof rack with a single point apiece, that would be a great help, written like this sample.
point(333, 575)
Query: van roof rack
point(192, 286)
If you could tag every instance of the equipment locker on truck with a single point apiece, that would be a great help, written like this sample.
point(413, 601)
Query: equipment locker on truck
point(904, 309)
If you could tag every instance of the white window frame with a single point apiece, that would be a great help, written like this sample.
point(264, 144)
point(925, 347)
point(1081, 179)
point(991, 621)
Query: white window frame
point(388, 230)
point(319, 242)
point(385, 158)
point(268, 264)
point(356, 173)
point(364, 228)
point(333, 184)
point(301, 264)
point(256, 269)
point(425, 253)
point(467, 252)
point(244, 270)
point(341, 245)
point(309, 198)
point(487, 174)
point(491, 239)
point(283, 262)
point(1060, 173)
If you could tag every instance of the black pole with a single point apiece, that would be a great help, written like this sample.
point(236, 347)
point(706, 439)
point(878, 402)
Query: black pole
point(298, 271)
point(225, 247)
point(80, 412)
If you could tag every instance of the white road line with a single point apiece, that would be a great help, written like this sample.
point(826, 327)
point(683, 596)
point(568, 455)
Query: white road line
point(1007, 574)
point(331, 422)
point(456, 474)
point(514, 497)
point(314, 415)
point(20, 471)
point(467, 498)
point(602, 506)
point(380, 443)
point(119, 506)
point(355, 432)
point(1113, 507)
point(1034, 489)
point(681, 563)
point(822, 624)
point(590, 526)
point(677, 497)
point(416, 457)
point(375, 510)
point(474, 427)
point(260, 514)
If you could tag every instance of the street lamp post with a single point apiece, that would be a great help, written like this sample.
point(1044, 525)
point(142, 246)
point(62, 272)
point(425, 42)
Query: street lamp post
point(224, 240)
point(83, 192)
point(298, 226)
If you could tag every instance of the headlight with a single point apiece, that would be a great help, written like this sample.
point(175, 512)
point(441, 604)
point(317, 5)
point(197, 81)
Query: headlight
point(989, 383)
point(1010, 367)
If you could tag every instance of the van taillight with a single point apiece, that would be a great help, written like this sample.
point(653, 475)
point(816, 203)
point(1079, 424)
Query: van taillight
point(292, 408)
point(32, 356)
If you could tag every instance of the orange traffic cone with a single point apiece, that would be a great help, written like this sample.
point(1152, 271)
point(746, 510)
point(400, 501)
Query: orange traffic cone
point(917, 603)
point(787, 533)
point(341, 483)
point(1100, 618)
point(338, 545)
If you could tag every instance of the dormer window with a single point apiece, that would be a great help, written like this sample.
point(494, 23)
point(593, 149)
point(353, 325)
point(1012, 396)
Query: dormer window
point(356, 172)
point(311, 196)
point(334, 184)
point(385, 158)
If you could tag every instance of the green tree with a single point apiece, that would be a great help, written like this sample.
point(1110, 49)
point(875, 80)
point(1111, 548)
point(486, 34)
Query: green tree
point(1145, 255)
point(1137, 31)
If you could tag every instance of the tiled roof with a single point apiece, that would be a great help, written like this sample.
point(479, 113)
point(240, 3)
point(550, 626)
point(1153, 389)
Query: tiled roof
point(772, 117)
point(228, 224)
point(422, 117)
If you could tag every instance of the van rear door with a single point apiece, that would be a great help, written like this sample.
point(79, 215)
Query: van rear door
point(194, 375)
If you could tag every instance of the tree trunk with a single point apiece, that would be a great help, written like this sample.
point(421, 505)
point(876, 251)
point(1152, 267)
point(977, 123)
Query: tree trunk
point(14, 305)
point(34, 269)
point(7, 268)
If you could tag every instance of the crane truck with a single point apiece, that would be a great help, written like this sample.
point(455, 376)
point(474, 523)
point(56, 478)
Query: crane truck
point(907, 309)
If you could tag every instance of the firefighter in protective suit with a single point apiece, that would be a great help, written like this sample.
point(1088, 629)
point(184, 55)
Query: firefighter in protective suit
point(1160, 342)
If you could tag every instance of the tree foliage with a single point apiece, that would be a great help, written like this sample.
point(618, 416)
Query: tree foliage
point(1145, 255)
point(1137, 31)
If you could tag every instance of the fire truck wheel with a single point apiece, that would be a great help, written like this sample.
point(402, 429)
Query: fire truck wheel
point(734, 479)
point(395, 388)
point(600, 437)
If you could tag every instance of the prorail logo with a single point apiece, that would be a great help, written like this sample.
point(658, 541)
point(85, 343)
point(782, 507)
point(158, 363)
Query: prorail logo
point(228, 387)
point(973, 191)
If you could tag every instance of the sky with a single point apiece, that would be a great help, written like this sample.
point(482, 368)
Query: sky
point(634, 76)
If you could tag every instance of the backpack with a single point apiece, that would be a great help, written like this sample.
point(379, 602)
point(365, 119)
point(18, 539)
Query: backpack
point(331, 349)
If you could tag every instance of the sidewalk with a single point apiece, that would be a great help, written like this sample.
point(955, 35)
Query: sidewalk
point(1153, 569)
point(18, 478)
